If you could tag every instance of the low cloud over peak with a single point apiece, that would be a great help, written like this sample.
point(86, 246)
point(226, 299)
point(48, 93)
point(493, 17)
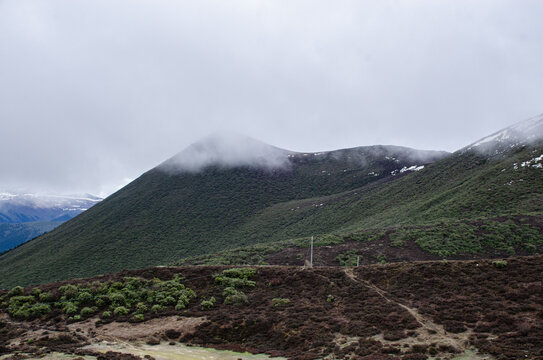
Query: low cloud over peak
point(227, 150)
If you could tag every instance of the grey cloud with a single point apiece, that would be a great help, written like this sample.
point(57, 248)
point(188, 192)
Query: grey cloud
point(227, 150)
point(93, 93)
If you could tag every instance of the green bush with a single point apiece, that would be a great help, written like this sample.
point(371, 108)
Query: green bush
point(138, 317)
point(18, 301)
point(229, 291)
point(141, 308)
point(348, 258)
point(330, 298)
point(46, 297)
point(16, 291)
point(157, 308)
point(499, 263)
point(133, 283)
point(68, 291)
point(241, 273)
point(207, 304)
point(36, 292)
point(117, 285)
point(280, 301)
point(120, 311)
point(70, 308)
point(117, 299)
point(85, 298)
point(236, 298)
point(102, 300)
point(87, 312)
point(20, 313)
point(180, 305)
point(40, 309)
point(168, 300)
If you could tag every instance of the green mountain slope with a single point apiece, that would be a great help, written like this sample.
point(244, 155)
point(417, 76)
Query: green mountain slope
point(467, 203)
point(473, 201)
point(165, 215)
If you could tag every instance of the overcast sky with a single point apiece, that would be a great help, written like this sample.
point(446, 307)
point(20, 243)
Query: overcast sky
point(93, 93)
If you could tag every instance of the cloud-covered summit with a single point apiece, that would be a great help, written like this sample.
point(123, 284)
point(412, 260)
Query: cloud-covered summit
point(227, 150)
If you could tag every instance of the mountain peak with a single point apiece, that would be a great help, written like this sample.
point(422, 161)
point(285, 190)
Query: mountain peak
point(521, 133)
point(227, 150)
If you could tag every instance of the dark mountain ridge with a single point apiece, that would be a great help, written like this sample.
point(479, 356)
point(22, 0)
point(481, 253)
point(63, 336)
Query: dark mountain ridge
point(164, 215)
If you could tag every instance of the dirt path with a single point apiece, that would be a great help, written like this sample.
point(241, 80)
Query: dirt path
point(434, 332)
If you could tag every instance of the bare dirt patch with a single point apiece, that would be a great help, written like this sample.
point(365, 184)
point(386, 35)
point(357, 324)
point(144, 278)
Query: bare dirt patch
point(154, 328)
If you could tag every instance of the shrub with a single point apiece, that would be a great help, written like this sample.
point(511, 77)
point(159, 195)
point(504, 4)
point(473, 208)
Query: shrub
point(106, 314)
point(133, 283)
point(234, 282)
point(348, 258)
point(40, 309)
point(68, 291)
point(16, 291)
point(18, 301)
point(120, 311)
point(36, 292)
point(157, 308)
point(117, 285)
point(280, 301)
point(236, 277)
point(69, 308)
point(381, 259)
point(85, 298)
point(184, 299)
point(241, 273)
point(499, 263)
point(87, 312)
point(46, 297)
point(180, 305)
point(207, 304)
point(168, 300)
point(20, 313)
point(102, 300)
point(138, 317)
point(237, 298)
point(117, 299)
point(229, 291)
point(141, 308)
point(330, 298)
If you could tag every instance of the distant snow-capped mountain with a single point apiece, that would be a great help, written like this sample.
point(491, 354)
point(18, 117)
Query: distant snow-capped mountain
point(24, 216)
point(22, 208)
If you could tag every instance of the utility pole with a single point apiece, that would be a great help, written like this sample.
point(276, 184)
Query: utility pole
point(358, 261)
point(311, 257)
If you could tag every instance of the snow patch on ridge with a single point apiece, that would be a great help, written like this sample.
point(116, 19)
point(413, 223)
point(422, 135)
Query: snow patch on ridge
point(405, 169)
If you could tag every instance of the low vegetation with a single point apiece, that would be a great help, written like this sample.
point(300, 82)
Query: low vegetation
point(485, 306)
point(502, 236)
point(133, 296)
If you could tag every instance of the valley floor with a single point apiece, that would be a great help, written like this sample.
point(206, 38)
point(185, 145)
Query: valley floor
point(486, 309)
